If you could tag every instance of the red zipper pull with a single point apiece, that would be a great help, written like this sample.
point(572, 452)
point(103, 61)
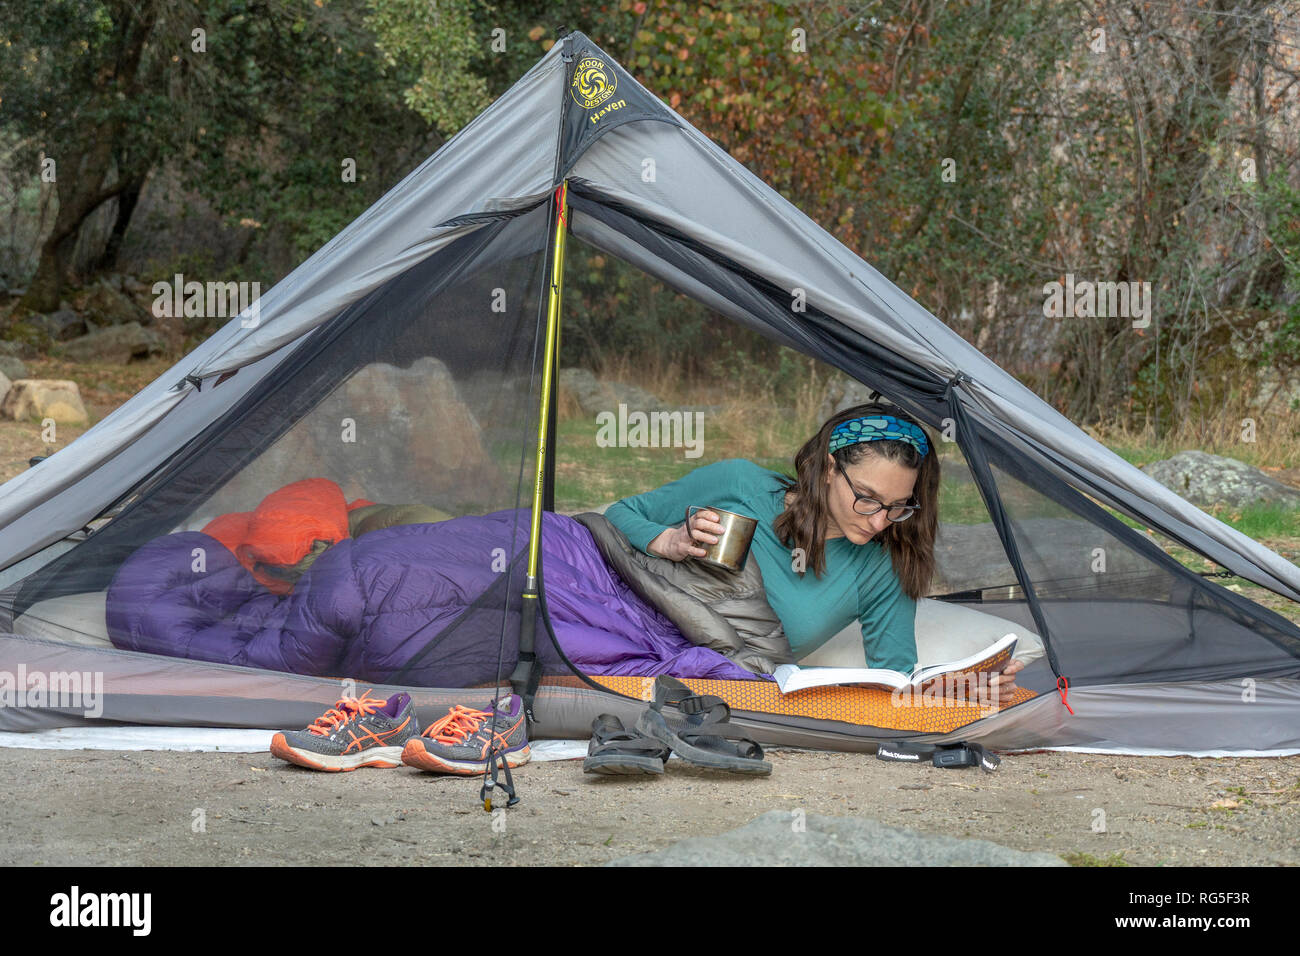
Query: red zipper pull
point(1063, 688)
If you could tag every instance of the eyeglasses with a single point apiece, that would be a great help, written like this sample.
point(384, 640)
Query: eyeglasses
point(867, 505)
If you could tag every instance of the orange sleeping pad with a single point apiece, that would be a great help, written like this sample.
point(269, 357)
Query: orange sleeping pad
point(864, 706)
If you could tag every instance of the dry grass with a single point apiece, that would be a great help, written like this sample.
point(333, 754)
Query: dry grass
point(754, 420)
point(1273, 445)
point(1275, 448)
point(103, 385)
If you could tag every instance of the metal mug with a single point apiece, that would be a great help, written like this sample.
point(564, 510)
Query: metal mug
point(731, 549)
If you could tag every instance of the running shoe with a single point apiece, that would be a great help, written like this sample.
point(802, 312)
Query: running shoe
point(356, 732)
point(459, 742)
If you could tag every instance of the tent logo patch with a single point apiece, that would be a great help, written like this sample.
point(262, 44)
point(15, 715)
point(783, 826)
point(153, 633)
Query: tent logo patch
point(593, 82)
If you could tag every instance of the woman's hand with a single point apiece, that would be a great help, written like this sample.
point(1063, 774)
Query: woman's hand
point(1003, 685)
point(677, 544)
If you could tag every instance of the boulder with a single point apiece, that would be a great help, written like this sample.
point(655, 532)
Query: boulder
point(595, 395)
point(1276, 391)
point(5, 385)
point(13, 368)
point(1207, 480)
point(18, 348)
point(494, 395)
point(393, 436)
point(35, 399)
point(413, 432)
point(107, 305)
point(60, 326)
point(29, 336)
point(118, 343)
point(785, 838)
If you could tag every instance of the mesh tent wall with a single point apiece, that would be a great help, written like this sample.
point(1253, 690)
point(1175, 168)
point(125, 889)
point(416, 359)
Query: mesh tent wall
point(395, 305)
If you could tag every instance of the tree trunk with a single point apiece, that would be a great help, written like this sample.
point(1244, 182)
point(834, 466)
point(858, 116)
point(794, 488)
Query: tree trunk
point(83, 163)
point(79, 180)
point(127, 200)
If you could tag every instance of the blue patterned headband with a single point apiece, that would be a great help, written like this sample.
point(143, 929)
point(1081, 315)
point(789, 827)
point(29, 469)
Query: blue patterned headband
point(875, 428)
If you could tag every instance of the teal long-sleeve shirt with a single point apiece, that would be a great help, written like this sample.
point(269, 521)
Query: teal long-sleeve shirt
point(859, 581)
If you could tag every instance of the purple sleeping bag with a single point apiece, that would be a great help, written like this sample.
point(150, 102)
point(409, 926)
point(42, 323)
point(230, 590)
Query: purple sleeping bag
point(421, 604)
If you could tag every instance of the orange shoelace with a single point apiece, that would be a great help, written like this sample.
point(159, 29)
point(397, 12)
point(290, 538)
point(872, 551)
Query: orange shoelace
point(345, 709)
point(459, 723)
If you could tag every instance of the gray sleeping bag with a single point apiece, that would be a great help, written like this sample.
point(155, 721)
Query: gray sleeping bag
point(713, 607)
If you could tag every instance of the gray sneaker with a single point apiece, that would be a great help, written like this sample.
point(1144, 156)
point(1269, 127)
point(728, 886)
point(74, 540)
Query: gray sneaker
point(459, 742)
point(356, 732)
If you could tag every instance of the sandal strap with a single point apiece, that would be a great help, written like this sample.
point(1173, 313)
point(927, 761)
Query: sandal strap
point(669, 690)
point(607, 725)
point(646, 745)
point(714, 710)
point(747, 747)
point(608, 731)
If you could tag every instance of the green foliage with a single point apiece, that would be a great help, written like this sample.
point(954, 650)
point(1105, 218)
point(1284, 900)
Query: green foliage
point(1109, 164)
point(1080, 858)
point(613, 311)
point(28, 334)
point(313, 131)
point(1280, 205)
point(260, 112)
point(440, 42)
point(51, 50)
point(1260, 521)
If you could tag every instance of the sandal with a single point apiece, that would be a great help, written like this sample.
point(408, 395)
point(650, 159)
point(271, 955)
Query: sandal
point(616, 750)
point(699, 741)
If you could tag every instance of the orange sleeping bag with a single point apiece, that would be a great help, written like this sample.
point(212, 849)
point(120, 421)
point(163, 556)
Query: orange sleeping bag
point(282, 536)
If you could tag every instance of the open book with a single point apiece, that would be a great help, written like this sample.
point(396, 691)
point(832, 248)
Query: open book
point(991, 660)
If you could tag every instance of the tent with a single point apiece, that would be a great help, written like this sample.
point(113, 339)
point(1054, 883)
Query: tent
point(414, 359)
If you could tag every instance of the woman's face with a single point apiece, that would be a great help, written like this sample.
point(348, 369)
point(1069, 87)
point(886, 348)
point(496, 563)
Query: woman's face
point(885, 480)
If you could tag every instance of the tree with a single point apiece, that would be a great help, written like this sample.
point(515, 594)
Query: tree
point(257, 101)
point(80, 82)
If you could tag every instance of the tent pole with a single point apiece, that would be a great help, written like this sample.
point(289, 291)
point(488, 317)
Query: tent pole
point(526, 673)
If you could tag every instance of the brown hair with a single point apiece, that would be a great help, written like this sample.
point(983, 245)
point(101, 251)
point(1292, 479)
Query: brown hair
point(910, 543)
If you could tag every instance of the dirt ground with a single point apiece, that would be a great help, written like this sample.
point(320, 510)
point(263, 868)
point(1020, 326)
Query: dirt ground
point(88, 808)
point(103, 387)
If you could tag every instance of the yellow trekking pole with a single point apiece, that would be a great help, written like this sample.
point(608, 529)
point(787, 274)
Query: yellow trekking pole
point(527, 671)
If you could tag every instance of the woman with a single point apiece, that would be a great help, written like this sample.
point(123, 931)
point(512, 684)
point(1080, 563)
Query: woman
point(852, 537)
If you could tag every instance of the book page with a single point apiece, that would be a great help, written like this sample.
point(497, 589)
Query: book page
point(790, 677)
